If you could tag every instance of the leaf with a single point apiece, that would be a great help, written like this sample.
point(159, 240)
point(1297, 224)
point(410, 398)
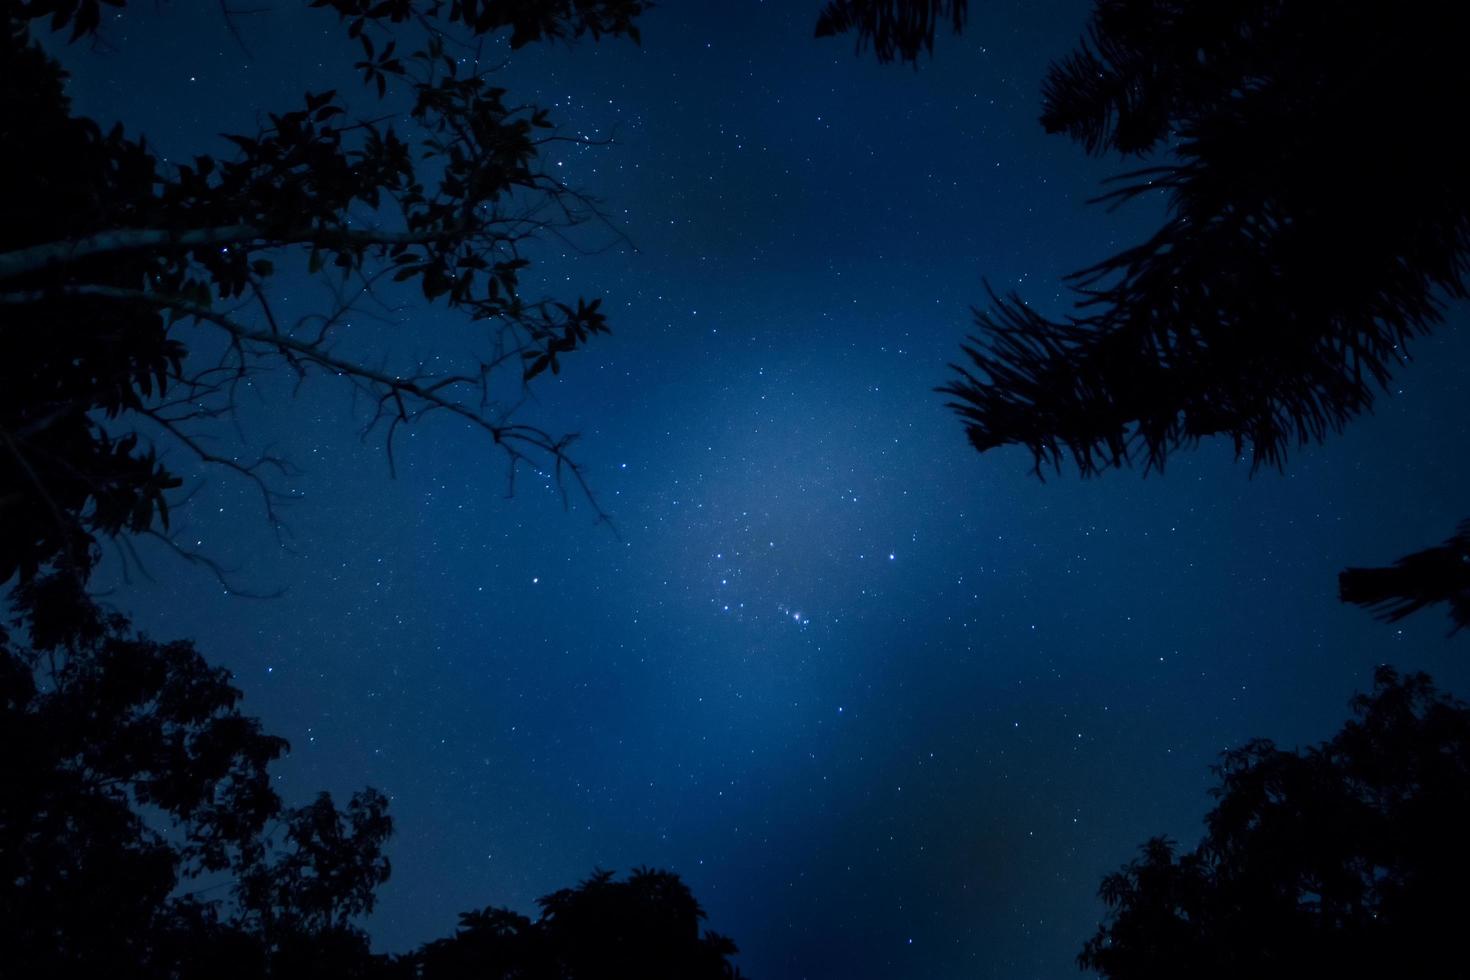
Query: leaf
point(245, 143)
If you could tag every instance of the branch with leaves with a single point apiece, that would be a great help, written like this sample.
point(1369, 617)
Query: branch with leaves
point(1317, 220)
point(1416, 581)
point(111, 255)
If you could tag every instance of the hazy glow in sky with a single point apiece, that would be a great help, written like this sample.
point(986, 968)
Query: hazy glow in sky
point(891, 708)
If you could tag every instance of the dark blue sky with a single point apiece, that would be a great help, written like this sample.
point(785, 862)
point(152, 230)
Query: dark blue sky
point(891, 708)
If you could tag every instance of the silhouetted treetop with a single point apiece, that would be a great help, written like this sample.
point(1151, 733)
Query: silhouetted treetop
point(1438, 574)
point(894, 28)
point(647, 926)
point(127, 772)
point(328, 874)
point(1317, 218)
point(140, 838)
point(1345, 860)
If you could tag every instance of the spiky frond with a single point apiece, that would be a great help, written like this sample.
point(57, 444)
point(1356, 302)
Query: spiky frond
point(894, 28)
point(1317, 217)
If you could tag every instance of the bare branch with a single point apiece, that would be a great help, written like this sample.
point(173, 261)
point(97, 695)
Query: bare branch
point(397, 399)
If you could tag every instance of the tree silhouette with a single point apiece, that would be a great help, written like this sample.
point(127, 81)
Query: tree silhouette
point(324, 878)
point(128, 771)
point(140, 838)
point(1317, 219)
point(646, 927)
point(1345, 860)
point(1439, 574)
point(139, 834)
point(113, 261)
point(1317, 212)
point(894, 28)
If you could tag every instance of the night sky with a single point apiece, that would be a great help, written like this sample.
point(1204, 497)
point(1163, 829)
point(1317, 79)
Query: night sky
point(890, 707)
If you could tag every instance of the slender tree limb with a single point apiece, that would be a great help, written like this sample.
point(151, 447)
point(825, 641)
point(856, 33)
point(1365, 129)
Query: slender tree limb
point(34, 258)
point(399, 399)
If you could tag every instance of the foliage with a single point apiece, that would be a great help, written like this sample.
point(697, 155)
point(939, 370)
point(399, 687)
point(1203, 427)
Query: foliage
point(894, 28)
point(1344, 860)
point(111, 261)
point(528, 21)
point(1317, 219)
point(130, 775)
point(646, 926)
point(1316, 212)
point(1438, 574)
point(130, 771)
point(63, 476)
point(329, 873)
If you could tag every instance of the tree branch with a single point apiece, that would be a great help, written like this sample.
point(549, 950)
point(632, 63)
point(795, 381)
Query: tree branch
point(392, 393)
point(34, 258)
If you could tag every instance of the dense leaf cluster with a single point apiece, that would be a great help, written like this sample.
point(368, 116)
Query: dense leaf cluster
point(646, 926)
point(64, 363)
point(1417, 580)
point(1317, 213)
point(140, 837)
point(128, 773)
point(1344, 860)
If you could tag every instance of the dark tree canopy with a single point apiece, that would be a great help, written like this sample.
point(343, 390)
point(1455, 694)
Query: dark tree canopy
point(894, 28)
point(646, 926)
point(1345, 860)
point(528, 20)
point(1438, 574)
point(113, 261)
point(1317, 216)
point(140, 838)
point(128, 771)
